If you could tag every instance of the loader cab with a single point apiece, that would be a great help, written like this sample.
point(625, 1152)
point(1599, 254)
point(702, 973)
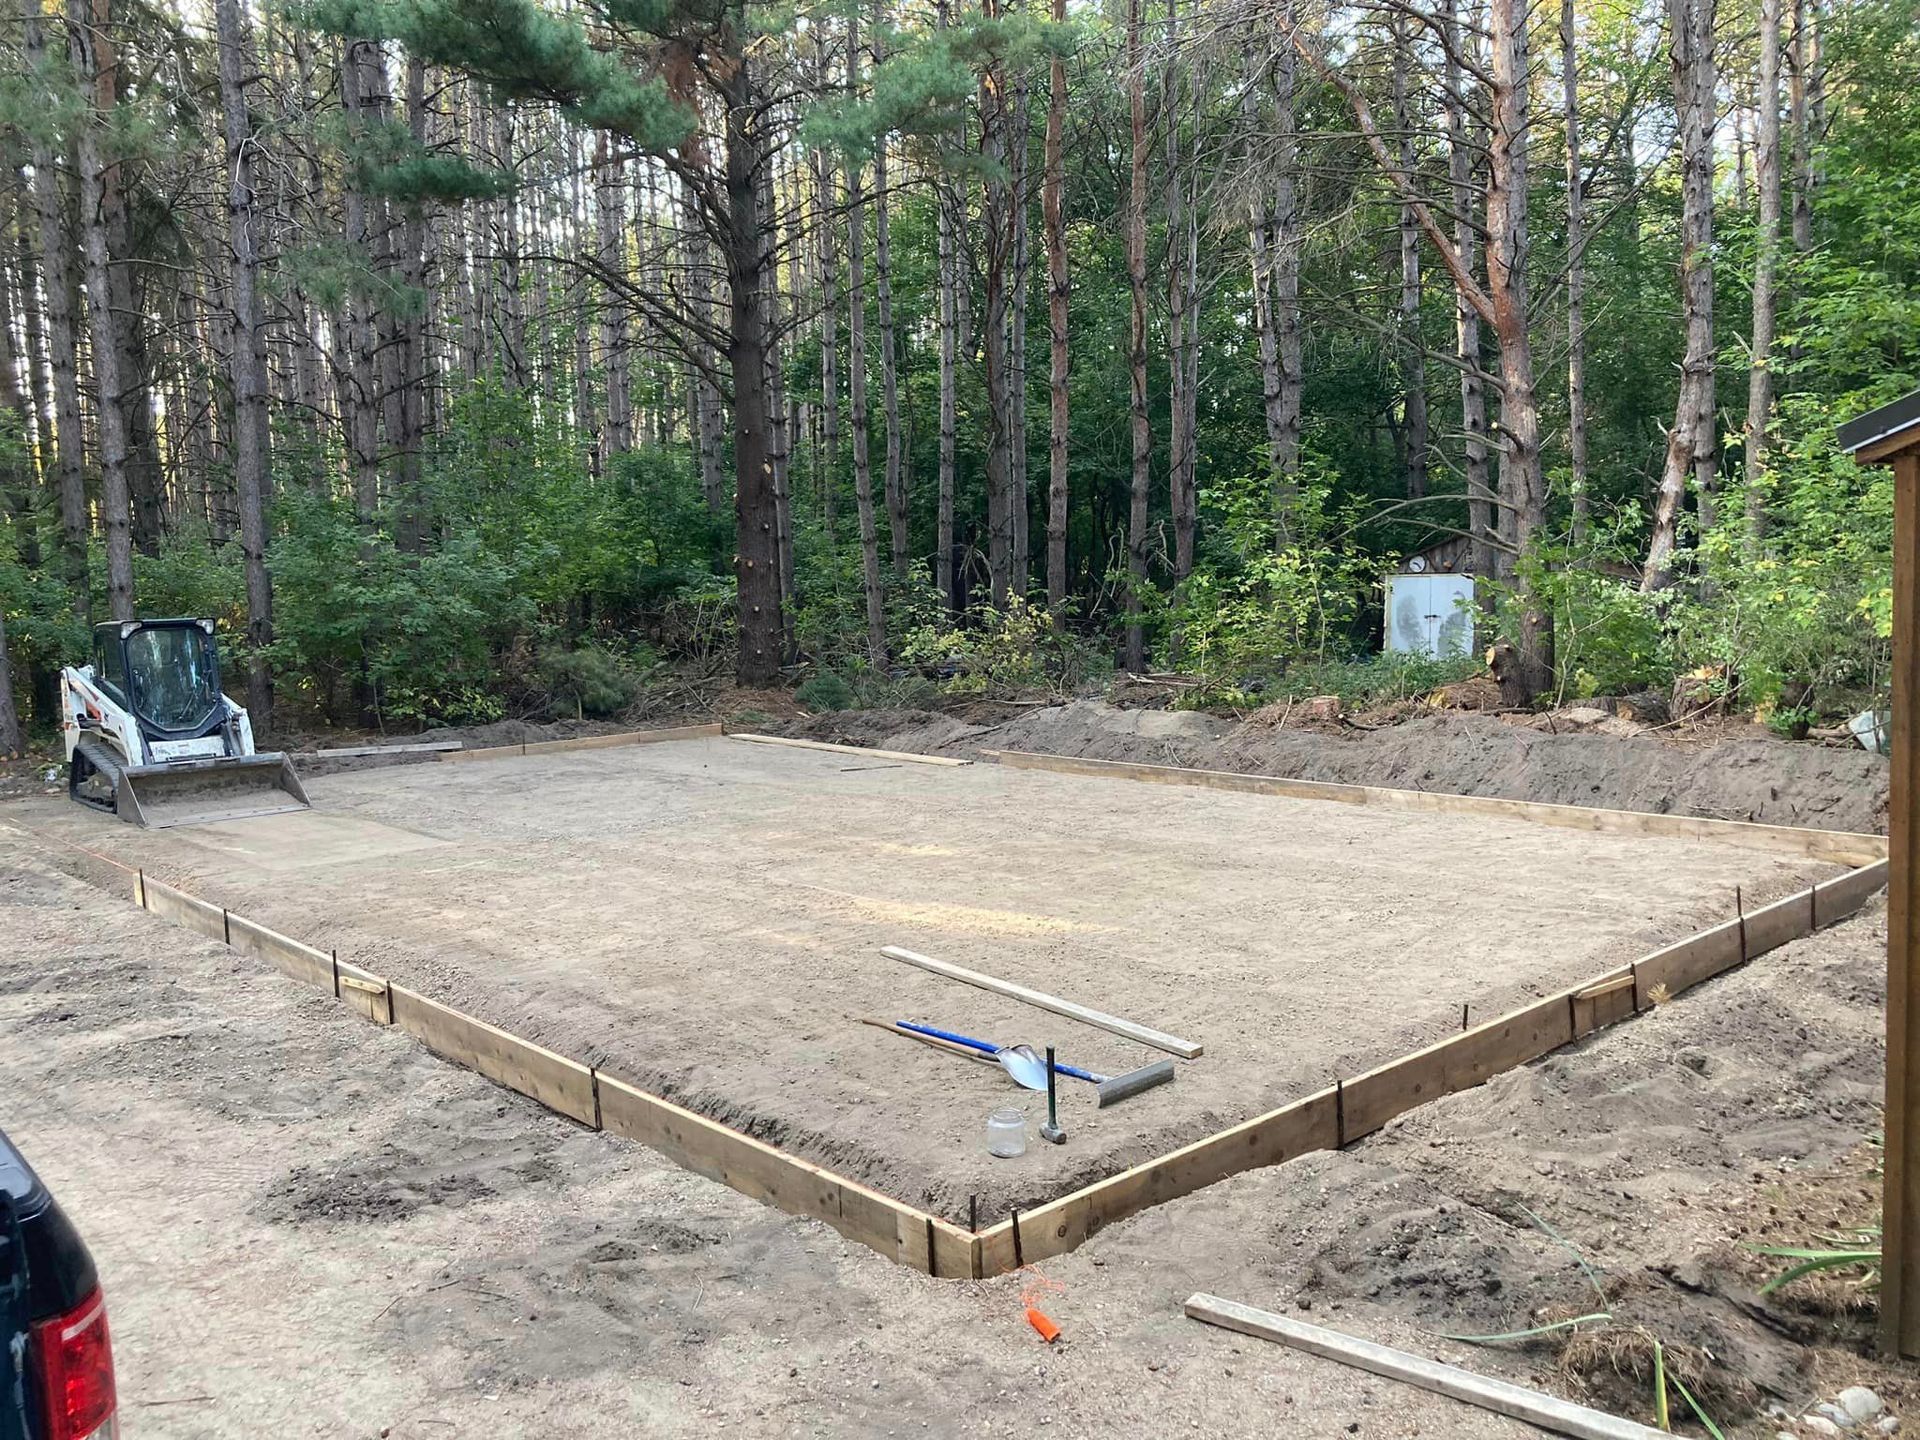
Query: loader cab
point(167, 672)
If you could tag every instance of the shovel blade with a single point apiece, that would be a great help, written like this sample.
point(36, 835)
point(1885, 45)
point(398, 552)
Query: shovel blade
point(1027, 1069)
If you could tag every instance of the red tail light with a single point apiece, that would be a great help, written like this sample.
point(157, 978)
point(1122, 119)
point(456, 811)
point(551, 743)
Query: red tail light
point(75, 1360)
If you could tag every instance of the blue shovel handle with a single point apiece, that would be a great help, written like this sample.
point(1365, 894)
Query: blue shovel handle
point(981, 1045)
point(987, 1047)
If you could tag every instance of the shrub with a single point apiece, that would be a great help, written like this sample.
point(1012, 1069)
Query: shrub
point(824, 690)
point(588, 680)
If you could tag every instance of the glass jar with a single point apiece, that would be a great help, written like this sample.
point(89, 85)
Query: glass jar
point(1007, 1133)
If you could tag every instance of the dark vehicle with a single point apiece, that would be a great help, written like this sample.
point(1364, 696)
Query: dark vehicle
point(56, 1365)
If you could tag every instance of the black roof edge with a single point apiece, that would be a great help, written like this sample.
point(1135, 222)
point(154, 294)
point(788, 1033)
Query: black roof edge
point(1878, 424)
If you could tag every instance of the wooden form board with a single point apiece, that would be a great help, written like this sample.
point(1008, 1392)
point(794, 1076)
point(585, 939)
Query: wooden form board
point(290, 957)
point(785, 1182)
point(358, 752)
point(861, 750)
point(1355, 1107)
point(567, 1087)
point(1351, 1109)
point(1548, 1412)
point(584, 742)
point(1839, 846)
point(535, 1071)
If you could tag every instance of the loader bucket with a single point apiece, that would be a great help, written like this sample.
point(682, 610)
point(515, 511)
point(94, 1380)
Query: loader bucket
point(199, 792)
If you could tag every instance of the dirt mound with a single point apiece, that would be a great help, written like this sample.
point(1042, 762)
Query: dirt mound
point(1758, 778)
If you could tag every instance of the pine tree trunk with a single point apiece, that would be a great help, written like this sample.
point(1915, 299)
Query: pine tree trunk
point(996, 227)
point(1052, 203)
point(1415, 439)
point(896, 489)
point(1173, 190)
point(857, 383)
point(1766, 263)
point(1019, 505)
point(1692, 448)
point(825, 202)
point(1522, 482)
point(92, 53)
point(13, 739)
point(357, 334)
point(1286, 245)
point(610, 223)
point(249, 374)
point(414, 370)
point(57, 278)
point(1576, 278)
point(748, 257)
point(949, 410)
point(1136, 225)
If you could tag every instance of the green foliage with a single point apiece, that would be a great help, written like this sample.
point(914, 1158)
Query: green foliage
point(1253, 610)
point(588, 679)
point(824, 690)
point(417, 637)
point(1016, 651)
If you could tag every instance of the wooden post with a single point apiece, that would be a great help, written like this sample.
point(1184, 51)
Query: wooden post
point(1891, 436)
point(1900, 1213)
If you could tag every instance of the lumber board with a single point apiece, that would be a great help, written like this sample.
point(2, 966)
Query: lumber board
point(1838, 846)
point(1132, 1030)
point(183, 909)
point(1293, 1130)
point(1459, 1062)
point(290, 957)
point(558, 1083)
point(1548, 1412)
point(1785, 920)
point(788, 1183)
point(357, 752)
point(1604, 1000)
point(585, 742)
point(1841, 896)
point(366, 994)
point(1687, 962)
point(864, 751)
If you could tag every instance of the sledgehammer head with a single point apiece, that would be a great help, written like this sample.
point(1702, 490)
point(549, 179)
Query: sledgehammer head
point(1121, 1087)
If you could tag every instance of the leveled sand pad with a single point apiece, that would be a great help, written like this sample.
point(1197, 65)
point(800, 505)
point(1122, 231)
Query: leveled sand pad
point(704, 919)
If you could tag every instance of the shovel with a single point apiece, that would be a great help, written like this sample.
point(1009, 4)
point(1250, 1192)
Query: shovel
point(1029, 1071)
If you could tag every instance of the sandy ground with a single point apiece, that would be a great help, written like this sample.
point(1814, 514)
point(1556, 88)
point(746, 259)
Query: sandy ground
point(308, 1225)
point(704, 918)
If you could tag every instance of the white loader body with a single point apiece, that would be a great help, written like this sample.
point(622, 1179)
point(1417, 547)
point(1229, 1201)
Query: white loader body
point(150, 737)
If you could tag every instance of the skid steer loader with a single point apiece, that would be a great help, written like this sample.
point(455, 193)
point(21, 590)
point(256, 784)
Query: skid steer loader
point(151, 739)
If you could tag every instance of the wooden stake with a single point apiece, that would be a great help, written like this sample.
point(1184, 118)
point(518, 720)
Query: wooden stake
point(1900, 1205)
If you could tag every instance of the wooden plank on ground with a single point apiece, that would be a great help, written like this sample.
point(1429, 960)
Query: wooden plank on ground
point(587, 742)
point(1841, 847)
point(184, 909)
point(783, 1181)
point(1146, 1035)
point(356, 752)
point(862, 750)
point(363, 992)
point(1273, 1138)
point(1548, 1412)
point(290, 957)
point(556, 1082)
